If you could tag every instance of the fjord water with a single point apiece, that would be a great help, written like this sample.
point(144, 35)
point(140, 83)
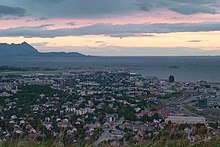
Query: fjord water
point(183, 68)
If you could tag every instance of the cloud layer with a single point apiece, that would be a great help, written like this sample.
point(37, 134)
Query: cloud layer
point(100, 8)
point(180, 6)
point(12, 11)
point(110, 30)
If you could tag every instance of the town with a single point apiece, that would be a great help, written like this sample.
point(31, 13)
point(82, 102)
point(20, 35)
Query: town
point(116, 108)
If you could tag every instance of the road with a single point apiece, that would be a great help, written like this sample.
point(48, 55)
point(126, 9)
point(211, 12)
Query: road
point(106, 135)
point(181, 101)
point(187, 111)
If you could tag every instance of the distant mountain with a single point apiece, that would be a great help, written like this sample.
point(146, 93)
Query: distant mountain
point(25, 49)
point(61, 54)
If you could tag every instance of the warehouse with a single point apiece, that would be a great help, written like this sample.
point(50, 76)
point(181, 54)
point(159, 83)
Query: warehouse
point(185, 119)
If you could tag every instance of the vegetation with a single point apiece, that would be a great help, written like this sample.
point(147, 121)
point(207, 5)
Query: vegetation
point(171, 143)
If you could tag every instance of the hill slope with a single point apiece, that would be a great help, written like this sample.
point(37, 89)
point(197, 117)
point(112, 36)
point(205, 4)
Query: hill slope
point(25, 49)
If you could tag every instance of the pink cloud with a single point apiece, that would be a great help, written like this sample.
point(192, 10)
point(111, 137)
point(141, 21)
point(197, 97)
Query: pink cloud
point(162, 16)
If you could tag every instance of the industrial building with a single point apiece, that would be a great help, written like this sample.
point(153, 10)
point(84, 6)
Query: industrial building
point(185, 120)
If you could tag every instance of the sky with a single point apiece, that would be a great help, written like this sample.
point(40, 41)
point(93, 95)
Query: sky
point(114, 27)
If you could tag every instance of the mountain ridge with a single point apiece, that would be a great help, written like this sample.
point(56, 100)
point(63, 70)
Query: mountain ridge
point(25, 49)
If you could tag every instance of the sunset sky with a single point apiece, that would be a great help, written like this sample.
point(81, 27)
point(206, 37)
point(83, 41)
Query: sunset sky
point(114, 27)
